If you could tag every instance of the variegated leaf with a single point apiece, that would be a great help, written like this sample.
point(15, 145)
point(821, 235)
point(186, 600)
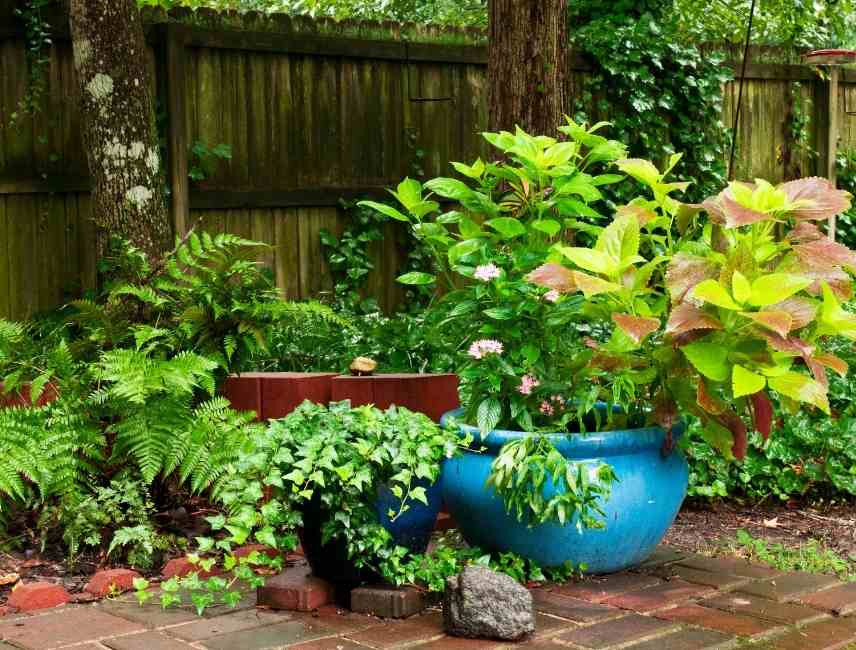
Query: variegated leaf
point(686, 317)
point(801, 310)
point(636, 327)
point(553, 276)
point(778, 321)
point(685, 271)
point(816, 197)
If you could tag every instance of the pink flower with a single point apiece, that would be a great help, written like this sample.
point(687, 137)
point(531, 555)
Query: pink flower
point(552, 296)
point(483, 347)
point(546, 408)
point(487, 272)
point(527, 383)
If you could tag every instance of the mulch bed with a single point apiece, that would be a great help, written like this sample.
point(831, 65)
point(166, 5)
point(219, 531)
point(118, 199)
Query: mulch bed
point(707, 528)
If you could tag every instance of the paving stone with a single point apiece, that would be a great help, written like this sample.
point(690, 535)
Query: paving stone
point(388, 602)
point(688, 640)
point(622, 630)
point(599, 589)
point(340, 620)
point(329, 644)
point(697, 576)
point(788, 586)
point(110, 581)
point(150, 640)
point(729, 565)
point(839, 600)
point(425, 627)
point(663, 595)
point(457, 643)
point(716, 619)
point(574, 609)
point(831, 634)
point(663, 554)
point(205, 628)
point(295, 589)
point(547, 625)
point(270, 636)
point(151, 615)
point(33, 596)
point(771, 610)
point(71, 625)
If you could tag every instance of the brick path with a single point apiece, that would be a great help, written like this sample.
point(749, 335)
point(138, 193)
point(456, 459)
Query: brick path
point(673, 602)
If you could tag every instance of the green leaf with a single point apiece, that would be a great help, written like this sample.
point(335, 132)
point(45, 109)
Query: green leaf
point(549, 227)
point(714, 293)
point(409, 193)
point(709, 359)
point(451, 188)
point(464, 248)
point(416, 278)
point(801, 388)
point(388, 210)
point(508, 227)
point(740, 287)
point(620, 239)
point(488, 415)
point(746, 382)
point(217, 522)
point(776, 287)
point(643, 171)
point(591, 260)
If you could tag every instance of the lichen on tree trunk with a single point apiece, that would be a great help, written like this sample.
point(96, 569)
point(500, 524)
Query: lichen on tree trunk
point(527, 63)
point(118, 119)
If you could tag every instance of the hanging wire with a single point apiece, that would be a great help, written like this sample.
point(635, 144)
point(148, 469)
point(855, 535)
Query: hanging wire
point(740, 92)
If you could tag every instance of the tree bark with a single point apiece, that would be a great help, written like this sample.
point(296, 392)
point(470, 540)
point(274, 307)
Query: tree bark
point(118, 120)
point(527, 63)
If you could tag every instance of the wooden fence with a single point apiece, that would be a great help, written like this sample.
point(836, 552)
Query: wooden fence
point(313, 113)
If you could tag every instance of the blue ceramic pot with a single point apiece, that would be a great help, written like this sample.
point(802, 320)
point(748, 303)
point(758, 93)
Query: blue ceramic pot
point(414, 527)
point(642, 505)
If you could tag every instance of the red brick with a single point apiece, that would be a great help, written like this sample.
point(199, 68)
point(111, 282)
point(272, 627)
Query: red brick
point(763, 608)
point(688, 639)
point(445, 522)
point(111, 580)
point(832, 634)
point(788, 586)
point(394, 633)
point(573, 609)
point(432, 395)
point(244, 392)
point(716, 619)
point(618, 631)
point(457, 643)
point(295, 590)
point(729, 565)
point(181, 566)
point(282, 392)
point(839, 600)
point(664, 595)
point(37, 595)
point(328, 644)
point(699, 577)
point(388, 602)
point(599, 589)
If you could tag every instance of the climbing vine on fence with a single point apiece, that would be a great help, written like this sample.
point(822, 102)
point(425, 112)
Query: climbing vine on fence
point(37, 33)
point(662, 96)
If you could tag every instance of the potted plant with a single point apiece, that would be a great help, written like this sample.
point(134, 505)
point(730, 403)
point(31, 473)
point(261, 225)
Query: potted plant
point(582, 345)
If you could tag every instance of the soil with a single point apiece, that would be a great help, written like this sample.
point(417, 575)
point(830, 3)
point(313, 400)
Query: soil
point(708, 528)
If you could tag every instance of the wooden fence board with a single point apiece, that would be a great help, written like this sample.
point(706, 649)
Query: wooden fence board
point(310, 118)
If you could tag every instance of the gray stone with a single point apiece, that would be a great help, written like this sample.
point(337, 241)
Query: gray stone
point(481, 603)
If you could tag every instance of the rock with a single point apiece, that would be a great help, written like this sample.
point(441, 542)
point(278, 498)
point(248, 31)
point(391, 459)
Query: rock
point(37, 595)
point(480, 602)
point(363, 366)
point(111, 580)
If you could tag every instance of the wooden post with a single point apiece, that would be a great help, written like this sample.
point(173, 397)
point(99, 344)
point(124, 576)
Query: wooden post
point(177, 140)
point(832, 136)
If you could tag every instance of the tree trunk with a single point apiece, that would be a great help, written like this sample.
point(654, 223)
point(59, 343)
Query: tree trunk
point(118, 121)
point(527, 60)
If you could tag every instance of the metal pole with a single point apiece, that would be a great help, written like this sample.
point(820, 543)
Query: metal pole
point(740, 91)
point(832, 137)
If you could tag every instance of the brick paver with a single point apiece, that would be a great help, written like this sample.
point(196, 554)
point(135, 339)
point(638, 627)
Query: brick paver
point(675, 602)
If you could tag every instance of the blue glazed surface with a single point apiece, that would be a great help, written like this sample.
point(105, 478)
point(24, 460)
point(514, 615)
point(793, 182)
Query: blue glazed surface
point(639, 511)
point(414, 527)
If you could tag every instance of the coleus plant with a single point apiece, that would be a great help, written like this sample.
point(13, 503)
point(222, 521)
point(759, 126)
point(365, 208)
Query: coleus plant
point(662, 311)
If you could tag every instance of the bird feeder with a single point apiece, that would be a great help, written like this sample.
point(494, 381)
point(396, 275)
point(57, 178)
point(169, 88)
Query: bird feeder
point(832, 60)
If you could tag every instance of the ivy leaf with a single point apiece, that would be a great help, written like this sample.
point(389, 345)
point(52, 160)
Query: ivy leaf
point(746, 382)
point(216, 522)
point(488, 415)
point(708, 358)
point(416, 278)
